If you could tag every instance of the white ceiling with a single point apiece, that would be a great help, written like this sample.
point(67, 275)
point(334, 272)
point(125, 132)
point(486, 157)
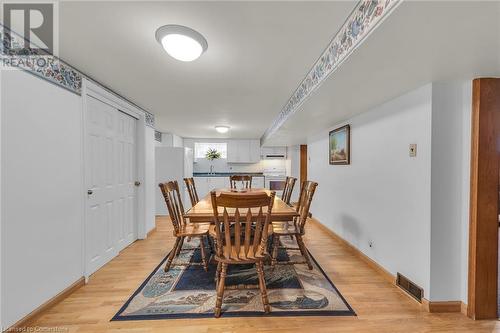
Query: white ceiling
point(258, 52)
point(419, 43)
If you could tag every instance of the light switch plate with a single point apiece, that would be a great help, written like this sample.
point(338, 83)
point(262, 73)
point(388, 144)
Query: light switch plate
point(413, 150)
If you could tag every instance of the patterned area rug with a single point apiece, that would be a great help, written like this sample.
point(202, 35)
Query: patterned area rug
point(189, 292)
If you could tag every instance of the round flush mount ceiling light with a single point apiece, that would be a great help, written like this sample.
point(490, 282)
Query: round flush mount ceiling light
point(222, 129)
point(180, 42)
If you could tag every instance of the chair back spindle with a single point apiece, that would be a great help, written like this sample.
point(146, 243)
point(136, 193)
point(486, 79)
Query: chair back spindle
point(245, 236)
point(306, 195)
point(171, 194)
point(191, 187)
point(245, 180)
point(288, 189)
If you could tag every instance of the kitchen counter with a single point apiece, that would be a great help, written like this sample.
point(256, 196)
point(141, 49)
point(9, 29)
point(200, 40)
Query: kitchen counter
point(227, 174)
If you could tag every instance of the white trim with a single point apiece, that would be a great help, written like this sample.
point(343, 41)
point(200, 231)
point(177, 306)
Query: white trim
point(94, 90)
point(83, 130)
point(91, 89)
point(1, 211)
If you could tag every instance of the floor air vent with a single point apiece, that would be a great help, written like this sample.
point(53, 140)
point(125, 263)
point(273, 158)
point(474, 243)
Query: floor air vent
point(410, 287)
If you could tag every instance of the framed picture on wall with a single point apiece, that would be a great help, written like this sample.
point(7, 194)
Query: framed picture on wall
point(340, 145)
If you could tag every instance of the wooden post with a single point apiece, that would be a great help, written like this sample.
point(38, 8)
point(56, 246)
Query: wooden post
point(303, 164)
point(483, 229)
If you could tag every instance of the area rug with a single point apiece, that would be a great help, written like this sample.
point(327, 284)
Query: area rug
point(189, 292)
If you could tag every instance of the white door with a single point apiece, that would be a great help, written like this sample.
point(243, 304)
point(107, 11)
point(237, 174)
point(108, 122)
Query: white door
point(110, 176)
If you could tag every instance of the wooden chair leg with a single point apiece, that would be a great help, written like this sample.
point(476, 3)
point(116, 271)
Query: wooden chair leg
point(262, 286)
point(179, 247)
point(203, 254)
point(220, 290)
point(217, 273)
point(172, 254)
point(210, 244)
point(276, 242)
point(303, 250)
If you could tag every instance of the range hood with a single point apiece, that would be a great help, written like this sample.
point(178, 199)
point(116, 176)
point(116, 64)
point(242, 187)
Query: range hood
point(273, 153)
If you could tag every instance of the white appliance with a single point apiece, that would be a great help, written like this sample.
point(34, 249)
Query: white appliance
point(273, 153)
point(275, 179)
point(173, 163)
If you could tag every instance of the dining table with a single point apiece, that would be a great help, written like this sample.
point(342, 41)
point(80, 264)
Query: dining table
point(203, 212)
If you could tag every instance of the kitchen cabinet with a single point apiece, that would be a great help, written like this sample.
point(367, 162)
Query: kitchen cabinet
point(201, 184)
point(255, 151)
point(258, 182)
point(206, 184)
point(218, 182)
point(243, 151)
point(232, 151)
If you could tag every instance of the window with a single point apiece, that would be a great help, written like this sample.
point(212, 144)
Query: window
point(200, 148)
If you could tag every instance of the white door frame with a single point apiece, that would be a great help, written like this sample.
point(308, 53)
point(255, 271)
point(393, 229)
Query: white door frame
point(90, 88)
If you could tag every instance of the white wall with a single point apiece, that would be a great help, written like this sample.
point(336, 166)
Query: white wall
point(170, 140)
point(203, 165)
point(414, 210)
point(451, 116)
point(1, 211)
point(177, 141)
point(41, 192)
point(384, 195)
point(150, 186)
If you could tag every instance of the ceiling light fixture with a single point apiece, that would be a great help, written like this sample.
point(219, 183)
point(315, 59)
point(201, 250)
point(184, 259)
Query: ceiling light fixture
point(222, 129)
point(180, 42)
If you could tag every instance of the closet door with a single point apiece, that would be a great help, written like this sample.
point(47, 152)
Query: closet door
point(110, 174)
point(125, 179)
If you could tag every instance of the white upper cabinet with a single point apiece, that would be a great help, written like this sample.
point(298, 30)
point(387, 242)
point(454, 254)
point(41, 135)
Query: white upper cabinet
point(243, 151)
point(255, 151)
point(232, 151)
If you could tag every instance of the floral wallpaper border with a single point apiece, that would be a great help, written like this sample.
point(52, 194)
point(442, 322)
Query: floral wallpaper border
point(366, 16)
point(40, 63)
point(46, 66)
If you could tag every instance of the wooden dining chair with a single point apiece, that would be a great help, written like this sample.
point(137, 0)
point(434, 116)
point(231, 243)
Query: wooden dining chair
point(241, 238)
point(245, 180)
point(296, 228)
point(191, 187)
point(182, 228)
point(288, 189)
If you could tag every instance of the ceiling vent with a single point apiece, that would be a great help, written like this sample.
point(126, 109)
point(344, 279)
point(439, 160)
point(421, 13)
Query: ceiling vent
point(158, 136)
point(411, 288)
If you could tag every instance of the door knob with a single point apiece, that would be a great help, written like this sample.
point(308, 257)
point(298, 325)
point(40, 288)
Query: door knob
point(90, 192)
point(137, 183)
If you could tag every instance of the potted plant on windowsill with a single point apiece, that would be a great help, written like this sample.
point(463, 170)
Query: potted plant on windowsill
point(211, 155)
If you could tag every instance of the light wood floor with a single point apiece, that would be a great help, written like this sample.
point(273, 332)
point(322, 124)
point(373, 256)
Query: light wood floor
point(380, 306)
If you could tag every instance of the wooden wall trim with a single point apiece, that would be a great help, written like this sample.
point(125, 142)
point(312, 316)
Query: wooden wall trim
point(441, 306)
point(150, 232)
point(303, 163)
point(28, 319)
point(463, 308)
point(483, 226)
point(426, 305)
point(370, 262)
